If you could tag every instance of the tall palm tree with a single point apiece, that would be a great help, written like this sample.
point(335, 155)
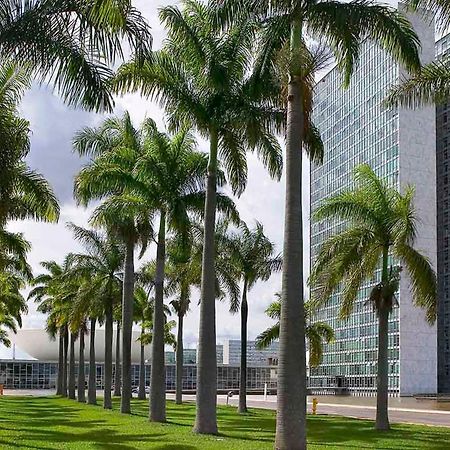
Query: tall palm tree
point(172, 176)
point(72, 43)
point(317, 333)
point(116, 146)
point(380, 222)
point(202, 77)
point(165, 177)
point(254, 260)
point(101, 265)
point(343, 26)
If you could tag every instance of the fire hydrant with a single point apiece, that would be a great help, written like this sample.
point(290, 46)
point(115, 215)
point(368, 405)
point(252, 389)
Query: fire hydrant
point(314, 405)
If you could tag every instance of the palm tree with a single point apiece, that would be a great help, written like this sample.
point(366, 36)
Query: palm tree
point(15, 273)
point(101, 265)
point(12, 303)
point(48, 293)
point(343, 26)
point(116, 144)
point(381, 223)
point(92, 377)
point(72, 43)
point(68, 287)
point(142, 313)
point(171, 175)
point(71, 382)
point(81, 379)
point(24, 193)
point(118, 370)
point(202, 77)
point(183, 271)
point(166, 176)
point(432, 84)
point(254, 260)
point(317, 333)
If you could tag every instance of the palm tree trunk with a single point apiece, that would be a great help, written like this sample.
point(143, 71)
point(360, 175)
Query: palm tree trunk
point(107, 404)
point(92, 381)
point(59, 384)
point(141, 393)
point(291, 407)
point(243, 375)
point(179, 362)
point(127, 325)
point(117, 381)
point(72, 367)
point(382, 418)
point(64, 371)
point(157, 374)
point(81, 373)
point(206, 414)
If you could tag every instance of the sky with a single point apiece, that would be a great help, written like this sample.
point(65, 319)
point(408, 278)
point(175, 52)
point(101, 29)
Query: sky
point(53, 126)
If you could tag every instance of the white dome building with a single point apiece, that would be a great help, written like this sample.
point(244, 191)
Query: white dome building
point(38, 345)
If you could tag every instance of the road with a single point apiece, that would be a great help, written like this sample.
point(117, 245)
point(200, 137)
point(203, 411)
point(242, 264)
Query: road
point(400, 411)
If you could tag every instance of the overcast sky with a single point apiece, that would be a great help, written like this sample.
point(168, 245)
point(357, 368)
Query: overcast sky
point(53, 126)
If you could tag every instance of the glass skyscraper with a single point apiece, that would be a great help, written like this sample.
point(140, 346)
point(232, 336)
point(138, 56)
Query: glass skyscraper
point(400, 146)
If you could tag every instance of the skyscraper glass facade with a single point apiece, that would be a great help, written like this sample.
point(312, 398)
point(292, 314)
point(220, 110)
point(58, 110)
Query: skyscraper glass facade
point(356, 129)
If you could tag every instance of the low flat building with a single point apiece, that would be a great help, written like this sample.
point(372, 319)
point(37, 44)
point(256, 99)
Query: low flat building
point(255, 357)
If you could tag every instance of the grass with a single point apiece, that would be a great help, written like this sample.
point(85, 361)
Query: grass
point(56, 423)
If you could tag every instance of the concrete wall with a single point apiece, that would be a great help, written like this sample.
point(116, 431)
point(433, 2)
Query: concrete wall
point(417, 166)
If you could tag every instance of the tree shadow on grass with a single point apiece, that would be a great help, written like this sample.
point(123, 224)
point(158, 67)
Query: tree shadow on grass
point(335, 431)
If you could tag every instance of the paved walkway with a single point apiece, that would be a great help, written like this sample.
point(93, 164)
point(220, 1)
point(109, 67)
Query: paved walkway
point(401, 410)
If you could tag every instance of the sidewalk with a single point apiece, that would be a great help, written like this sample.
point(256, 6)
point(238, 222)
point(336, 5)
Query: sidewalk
point(401, 410)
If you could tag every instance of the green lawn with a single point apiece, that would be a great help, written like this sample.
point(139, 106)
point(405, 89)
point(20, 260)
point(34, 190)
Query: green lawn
point(51, 422)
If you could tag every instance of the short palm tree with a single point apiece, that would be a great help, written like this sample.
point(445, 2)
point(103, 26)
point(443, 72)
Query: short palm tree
point(182, 272)
point(117, 363)
point(380, 222)
point(317, 333)
point(184, 264)
point(143, 315)
point(202, 77)
point(252, 254)
point(12, 303)
point(72, 43)
point(343, 26)
point(48, 292)
point(101, 265)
